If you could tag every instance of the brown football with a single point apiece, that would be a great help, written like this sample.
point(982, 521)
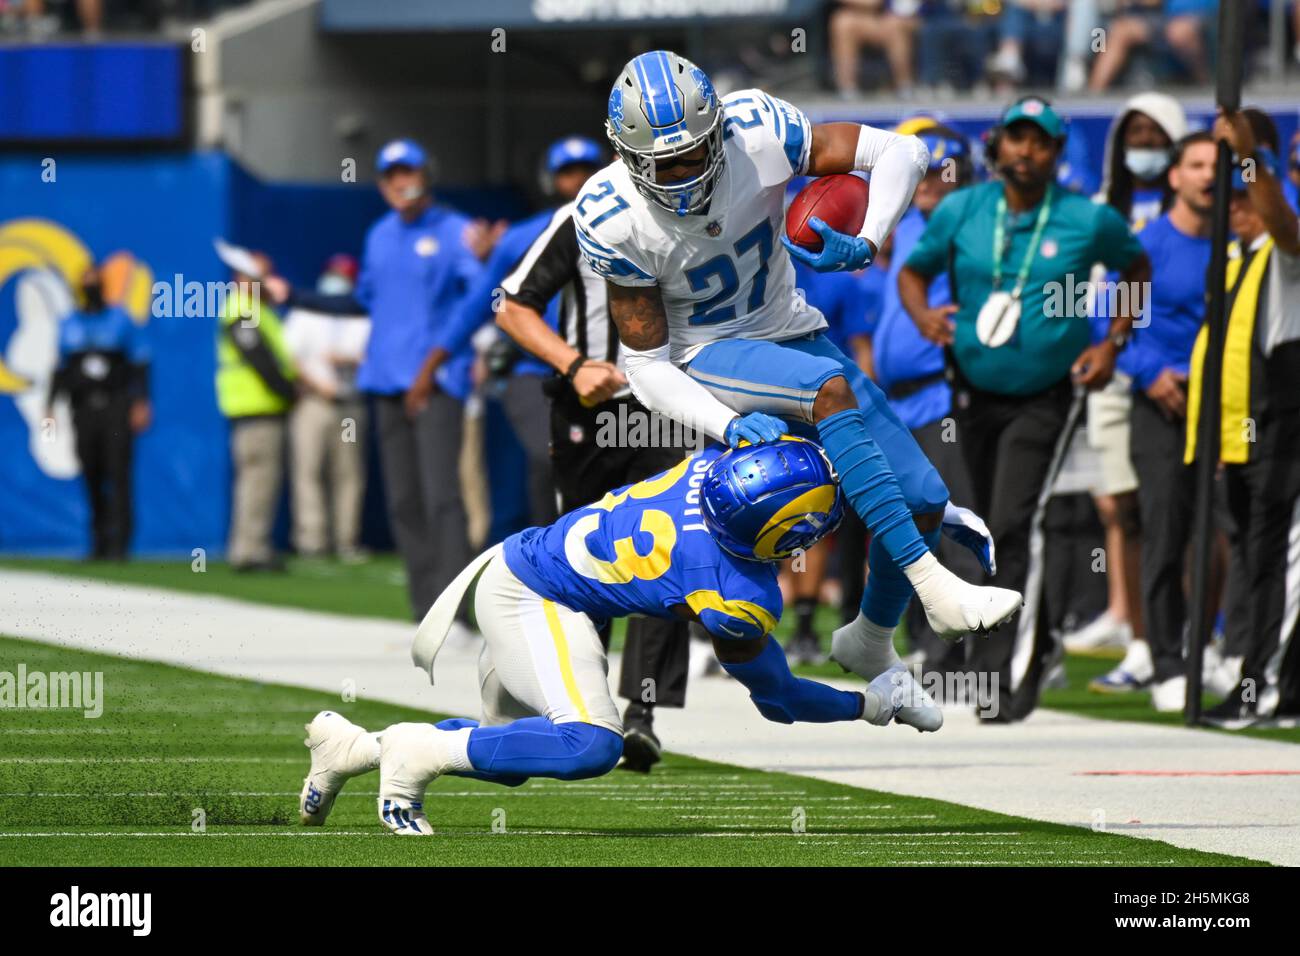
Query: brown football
point(839, 200)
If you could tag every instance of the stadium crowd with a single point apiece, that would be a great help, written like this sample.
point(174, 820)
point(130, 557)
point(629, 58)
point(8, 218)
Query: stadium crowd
point(1077, 442)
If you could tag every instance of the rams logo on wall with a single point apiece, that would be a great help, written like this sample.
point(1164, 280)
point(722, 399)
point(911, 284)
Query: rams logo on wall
point(41, 264)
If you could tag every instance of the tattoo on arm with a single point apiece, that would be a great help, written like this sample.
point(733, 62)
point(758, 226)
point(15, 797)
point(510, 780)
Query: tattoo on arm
point(638, 314)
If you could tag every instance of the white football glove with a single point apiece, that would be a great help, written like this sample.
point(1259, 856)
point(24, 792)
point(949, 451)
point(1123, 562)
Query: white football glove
point(969, 530)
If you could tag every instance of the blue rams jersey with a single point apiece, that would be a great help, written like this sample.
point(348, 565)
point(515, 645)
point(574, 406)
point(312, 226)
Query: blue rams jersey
point(643, 549)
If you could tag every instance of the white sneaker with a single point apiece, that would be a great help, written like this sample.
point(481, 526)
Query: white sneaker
point(1221, 675)
point(411, 757)
point(1169, 696)
point(1134, 672)
point(1103, 631)
point(895, 695)
point(955, 608)
point(340, 750)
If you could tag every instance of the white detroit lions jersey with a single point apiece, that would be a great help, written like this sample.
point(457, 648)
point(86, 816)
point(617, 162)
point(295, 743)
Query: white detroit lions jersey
point(723, 274)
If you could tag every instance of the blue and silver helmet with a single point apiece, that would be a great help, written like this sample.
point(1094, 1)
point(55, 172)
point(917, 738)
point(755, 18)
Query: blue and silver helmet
point(661, 106)
point(765, 502)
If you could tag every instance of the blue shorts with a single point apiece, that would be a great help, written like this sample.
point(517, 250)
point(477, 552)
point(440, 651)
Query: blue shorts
point(782, 379)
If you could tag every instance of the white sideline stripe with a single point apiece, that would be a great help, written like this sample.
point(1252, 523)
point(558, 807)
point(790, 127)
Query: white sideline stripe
point(380, 832)
point(1026, 770)
point(97, 760)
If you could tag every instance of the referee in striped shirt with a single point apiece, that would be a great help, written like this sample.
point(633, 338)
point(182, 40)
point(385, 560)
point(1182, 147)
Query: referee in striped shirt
point(589, 388)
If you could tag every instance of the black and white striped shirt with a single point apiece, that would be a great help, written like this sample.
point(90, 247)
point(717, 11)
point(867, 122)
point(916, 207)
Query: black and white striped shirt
point(554, 265)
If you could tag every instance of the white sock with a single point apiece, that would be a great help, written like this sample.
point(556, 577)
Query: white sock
point(864, 647)
point(457, 748)
point(367, 748)
point(927, 574)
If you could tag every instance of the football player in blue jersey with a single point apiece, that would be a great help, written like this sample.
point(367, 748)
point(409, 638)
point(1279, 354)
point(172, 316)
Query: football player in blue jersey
point(698, 542)
point(684, 225)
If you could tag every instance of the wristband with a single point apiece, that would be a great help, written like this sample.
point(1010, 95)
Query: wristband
point(577, 363)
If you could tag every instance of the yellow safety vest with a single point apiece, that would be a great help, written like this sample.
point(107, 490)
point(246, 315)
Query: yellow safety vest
point(241, 391)
point(1234, 447)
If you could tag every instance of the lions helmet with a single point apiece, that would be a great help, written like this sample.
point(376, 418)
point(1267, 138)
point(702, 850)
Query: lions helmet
point(661, 106)
point(765, 502)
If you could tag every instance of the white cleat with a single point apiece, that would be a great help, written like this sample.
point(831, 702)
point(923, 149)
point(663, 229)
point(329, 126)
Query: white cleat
point(411, 757)
point(895, 695)
point(340, 750)
point(955, 607)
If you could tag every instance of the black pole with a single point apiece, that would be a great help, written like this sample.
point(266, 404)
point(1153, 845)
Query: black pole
point(1227, 93)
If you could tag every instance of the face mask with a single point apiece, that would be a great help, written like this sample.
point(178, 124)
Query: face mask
point(1146, 164)
point(94, 297)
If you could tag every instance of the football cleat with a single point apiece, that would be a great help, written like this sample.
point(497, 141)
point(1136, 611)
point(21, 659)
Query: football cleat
point(895, 695)
point(411, 757)
point(340, 750)
point(1134, 672)
point(955, 608)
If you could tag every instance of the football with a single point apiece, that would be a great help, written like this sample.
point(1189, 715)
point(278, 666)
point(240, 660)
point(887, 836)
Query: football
point(839, 200)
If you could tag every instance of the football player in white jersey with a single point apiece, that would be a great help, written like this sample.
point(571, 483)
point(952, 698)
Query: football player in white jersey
point(686, 225)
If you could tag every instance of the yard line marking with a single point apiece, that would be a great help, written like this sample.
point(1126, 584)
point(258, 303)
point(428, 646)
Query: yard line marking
point(1188, 773)
point(94, 760)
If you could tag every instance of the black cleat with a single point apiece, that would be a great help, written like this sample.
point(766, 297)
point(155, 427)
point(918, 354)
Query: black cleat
point(641, 748)
point(1234, 712)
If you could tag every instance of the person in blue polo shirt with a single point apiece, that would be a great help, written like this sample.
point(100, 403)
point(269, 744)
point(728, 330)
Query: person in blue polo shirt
point(1018, 252)
point(568, 163)
point(417, 264)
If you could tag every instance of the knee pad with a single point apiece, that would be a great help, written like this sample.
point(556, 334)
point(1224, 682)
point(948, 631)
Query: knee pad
point(925, 493)
point(596, 750)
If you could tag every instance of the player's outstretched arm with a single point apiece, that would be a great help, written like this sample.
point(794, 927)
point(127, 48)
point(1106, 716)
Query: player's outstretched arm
point(638, 314)
point(760, 665)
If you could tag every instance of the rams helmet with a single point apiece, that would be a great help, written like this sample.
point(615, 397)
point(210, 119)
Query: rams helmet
point(661, 106)
point(764, 502)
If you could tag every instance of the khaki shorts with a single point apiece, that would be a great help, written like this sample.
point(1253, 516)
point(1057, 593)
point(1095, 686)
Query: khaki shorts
point(1109, 414)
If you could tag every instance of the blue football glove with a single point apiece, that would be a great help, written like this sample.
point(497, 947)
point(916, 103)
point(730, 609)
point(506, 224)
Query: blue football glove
point(969, 530)
point(754, 428)
point(840, 252)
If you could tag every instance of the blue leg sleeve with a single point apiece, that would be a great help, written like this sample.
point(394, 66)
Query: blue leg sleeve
point(784, 698)
point(505, 779)
point(870, 485)
point(888, 591)
point(536, 747)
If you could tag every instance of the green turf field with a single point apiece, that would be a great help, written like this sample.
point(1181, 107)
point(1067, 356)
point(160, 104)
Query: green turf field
point(377, 589)
point(124, 788)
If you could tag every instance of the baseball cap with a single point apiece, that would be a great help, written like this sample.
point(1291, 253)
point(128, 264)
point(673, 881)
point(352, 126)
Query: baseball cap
point(400, 152)
point(573, 149)
point(1038, 111)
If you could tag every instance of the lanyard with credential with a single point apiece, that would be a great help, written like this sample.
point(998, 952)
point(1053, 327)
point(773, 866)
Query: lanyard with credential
point(999, 236)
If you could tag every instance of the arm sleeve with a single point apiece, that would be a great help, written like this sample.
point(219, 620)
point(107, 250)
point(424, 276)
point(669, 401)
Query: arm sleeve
point(550, 264)
point(930, 254)
point(1113, 242)
point(257, 353)
point(897, 164)
point(661, 386)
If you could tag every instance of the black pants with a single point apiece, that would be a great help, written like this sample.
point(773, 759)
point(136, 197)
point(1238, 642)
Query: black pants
point(656, 653)
point(1008, 442)
point(103, 426)
point(1166, 497)
point(525, 406)
point(421, 466)
point(1264, 497)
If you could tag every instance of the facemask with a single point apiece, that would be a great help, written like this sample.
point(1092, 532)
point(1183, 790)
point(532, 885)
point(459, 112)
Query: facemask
point(1146, 164)
point(94, 297)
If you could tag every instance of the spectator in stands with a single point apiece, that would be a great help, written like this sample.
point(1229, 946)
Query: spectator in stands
point(255, 389)
point(955, 42)
point(886, 25)
point(327, 427)
point(1138, 23)
point(910, 370)
point(419, 259)
point(1178, 245)
point(1018, 355)
point(1260, 419)
point(1033, 26)
point(1136, 184)
point(103, 371)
